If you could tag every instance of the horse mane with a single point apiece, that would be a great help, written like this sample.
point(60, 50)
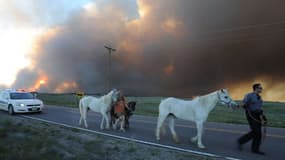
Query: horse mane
point(203, 99)
point(106, 98)
point(207, 95)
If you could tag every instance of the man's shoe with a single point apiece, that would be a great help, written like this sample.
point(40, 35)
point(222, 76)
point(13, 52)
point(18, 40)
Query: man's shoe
point(258, 152)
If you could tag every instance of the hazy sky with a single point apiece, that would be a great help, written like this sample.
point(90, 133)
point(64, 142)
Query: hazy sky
point(177, 48)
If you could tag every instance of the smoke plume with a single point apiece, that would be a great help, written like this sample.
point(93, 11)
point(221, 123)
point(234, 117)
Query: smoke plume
point(163, 48)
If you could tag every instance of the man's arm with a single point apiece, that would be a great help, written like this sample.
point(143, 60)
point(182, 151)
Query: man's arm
point(245, 102)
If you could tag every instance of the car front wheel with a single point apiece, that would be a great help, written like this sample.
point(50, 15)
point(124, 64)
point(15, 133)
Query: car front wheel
point(11, 110)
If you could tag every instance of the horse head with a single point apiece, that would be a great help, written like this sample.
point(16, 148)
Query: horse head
point(225, 98)
point(114, 94)
point(132, 106)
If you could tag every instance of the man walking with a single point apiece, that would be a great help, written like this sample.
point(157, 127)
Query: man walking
point(252, 104)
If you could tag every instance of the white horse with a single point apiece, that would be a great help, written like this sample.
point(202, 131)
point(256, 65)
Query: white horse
point(196, 110)
point(101, 105)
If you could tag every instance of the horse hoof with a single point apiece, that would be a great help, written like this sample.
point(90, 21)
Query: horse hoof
point(157, 137)
point(176, 140)
point(193, 140)
point(123, 130)
point(201, 147)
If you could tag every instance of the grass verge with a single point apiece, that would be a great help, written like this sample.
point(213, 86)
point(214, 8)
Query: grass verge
point(26, 139)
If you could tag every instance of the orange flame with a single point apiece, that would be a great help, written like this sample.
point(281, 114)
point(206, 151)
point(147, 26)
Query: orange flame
point(271, 91)
point(40, 81)
point(66, 86)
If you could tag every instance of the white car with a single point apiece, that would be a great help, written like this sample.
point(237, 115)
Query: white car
point(15, 101)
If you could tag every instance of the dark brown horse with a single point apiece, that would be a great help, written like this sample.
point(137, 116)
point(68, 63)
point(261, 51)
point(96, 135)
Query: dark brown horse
point(129, 109)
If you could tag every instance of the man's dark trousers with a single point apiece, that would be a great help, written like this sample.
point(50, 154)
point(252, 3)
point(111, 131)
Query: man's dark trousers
point(253, 118)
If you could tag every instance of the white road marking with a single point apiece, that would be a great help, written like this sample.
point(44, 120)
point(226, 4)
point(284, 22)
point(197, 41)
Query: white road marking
point(135, 140)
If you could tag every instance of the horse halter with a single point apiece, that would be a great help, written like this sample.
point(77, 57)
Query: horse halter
point(227, 103)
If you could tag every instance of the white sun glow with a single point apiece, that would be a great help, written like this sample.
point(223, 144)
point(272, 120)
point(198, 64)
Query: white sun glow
point(91, 8)
point(15, 46)
point(143, 9)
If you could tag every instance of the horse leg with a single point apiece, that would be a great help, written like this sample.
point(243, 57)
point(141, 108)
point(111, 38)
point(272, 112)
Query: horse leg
point(80, 120)
point(127, 123)
point(194, 139)
point(107, 121)
point(112, 120)
point(122, 128)
point(199, 133)
point(83, 116)
point(171, 127)
point(116, 123)
point(102, 123)
point(160, 121)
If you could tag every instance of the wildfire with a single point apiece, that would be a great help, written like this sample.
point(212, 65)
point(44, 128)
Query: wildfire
point(66, 87)
point(40, 81)
point(271, 91)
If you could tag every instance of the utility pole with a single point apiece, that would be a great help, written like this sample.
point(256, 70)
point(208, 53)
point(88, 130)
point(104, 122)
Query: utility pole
point(110, 50)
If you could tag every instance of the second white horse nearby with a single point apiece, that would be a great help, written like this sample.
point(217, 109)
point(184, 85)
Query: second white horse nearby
point(101, 105)
point(196, 110)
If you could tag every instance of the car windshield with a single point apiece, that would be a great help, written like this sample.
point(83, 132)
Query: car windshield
point(21, 96)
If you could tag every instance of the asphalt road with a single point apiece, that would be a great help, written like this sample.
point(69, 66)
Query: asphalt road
point(219, 138)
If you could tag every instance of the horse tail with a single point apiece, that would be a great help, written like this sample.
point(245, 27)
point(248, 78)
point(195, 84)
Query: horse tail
point(83, 108)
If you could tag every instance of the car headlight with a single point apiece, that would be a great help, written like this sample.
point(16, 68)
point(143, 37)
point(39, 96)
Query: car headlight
point(20, 104)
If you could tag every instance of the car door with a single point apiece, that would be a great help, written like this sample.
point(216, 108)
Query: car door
point(4, 101)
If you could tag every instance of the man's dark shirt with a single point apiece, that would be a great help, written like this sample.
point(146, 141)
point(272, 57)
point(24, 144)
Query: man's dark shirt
point(253, 101)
